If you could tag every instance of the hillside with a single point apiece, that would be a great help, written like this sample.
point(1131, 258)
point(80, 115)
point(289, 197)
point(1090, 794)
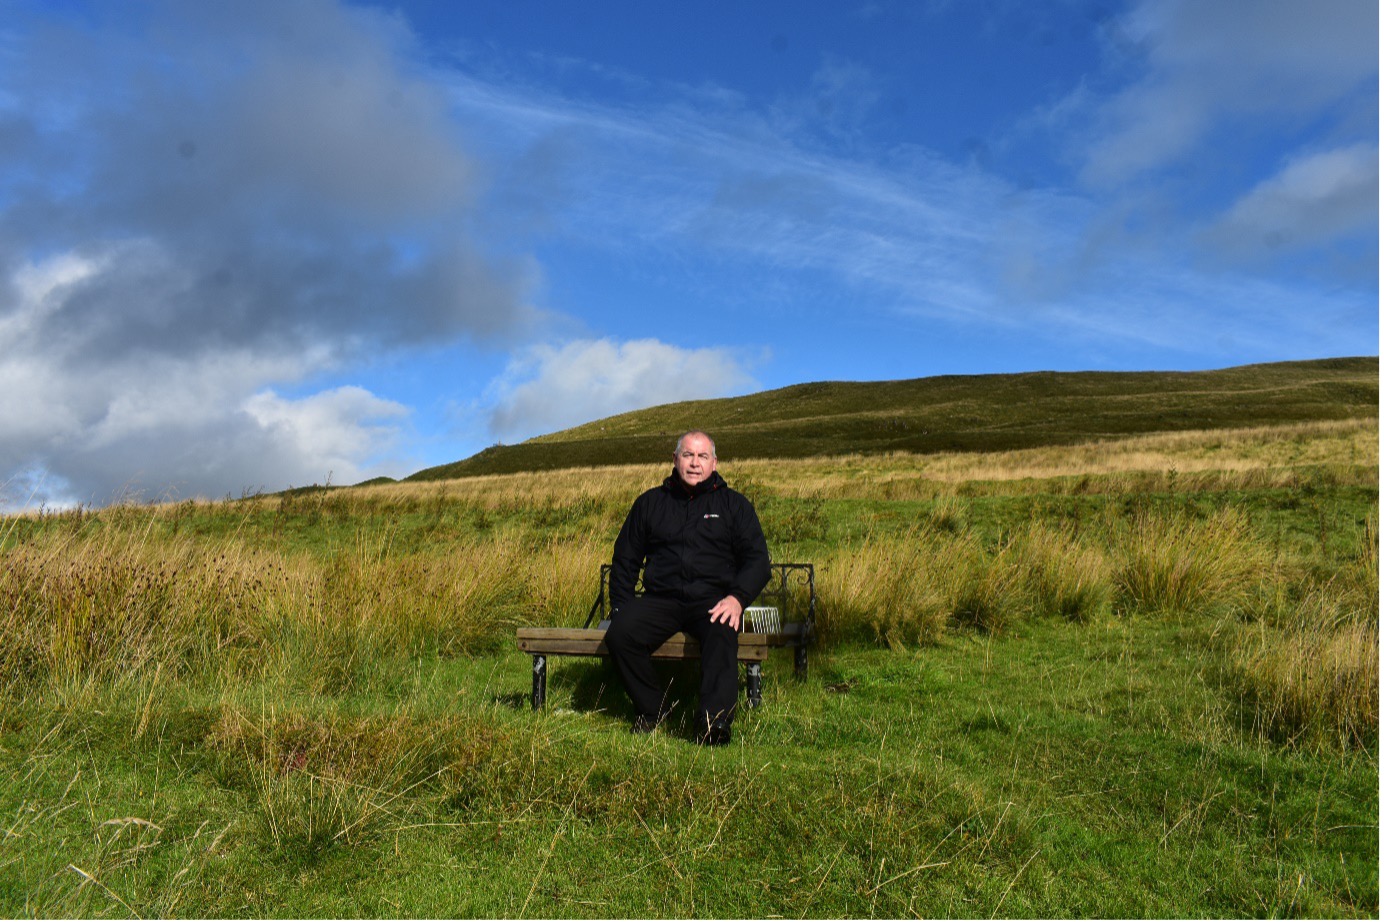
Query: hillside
point(954, 413)
point(1136, 678)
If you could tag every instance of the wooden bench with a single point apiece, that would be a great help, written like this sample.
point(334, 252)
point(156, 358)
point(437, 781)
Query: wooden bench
point(783, 616)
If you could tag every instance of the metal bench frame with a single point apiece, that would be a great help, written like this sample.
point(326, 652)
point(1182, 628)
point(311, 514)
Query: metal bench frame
point(787, 583)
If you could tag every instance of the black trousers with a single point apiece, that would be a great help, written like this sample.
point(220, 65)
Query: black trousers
point(643, 624)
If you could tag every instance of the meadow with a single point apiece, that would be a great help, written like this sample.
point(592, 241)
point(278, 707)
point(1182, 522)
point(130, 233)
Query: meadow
point(1135, 677)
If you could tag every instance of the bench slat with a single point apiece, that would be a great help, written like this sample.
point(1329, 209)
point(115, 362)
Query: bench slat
point(575, 641)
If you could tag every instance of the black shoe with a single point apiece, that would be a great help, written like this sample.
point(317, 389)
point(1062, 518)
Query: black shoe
point(645, 723)
point(718, 734)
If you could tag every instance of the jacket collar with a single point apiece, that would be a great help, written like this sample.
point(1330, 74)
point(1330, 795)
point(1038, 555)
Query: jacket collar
point(673, 484)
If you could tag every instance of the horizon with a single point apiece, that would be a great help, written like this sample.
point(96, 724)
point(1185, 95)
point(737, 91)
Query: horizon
point(297, 241)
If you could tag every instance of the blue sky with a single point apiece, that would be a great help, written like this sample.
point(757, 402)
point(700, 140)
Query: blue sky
point(253, 245)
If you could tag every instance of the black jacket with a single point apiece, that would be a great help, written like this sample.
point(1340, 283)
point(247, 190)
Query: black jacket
point(695, 544)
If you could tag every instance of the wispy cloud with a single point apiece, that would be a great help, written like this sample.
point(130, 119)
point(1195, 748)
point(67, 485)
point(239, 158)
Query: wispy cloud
point(1206, 65)
point(910, 233)
point(727, 182)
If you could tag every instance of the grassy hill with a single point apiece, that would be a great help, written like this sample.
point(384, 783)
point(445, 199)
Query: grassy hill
point(1131, 679)
point(1134, 680)
point(954, 413)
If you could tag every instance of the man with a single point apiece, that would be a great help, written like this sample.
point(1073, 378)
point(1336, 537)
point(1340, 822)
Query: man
point(704, 559)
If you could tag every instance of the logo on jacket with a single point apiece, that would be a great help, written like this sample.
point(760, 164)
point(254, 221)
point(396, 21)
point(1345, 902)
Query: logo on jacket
point(711, 515)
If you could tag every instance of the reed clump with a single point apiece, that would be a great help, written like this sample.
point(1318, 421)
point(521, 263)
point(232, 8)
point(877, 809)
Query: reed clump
point(1063, 575)
point(1308, 666)
point(1314, 682)
point(911, 589)
point(1177, 562)
point(895, 590)
point(987, 588)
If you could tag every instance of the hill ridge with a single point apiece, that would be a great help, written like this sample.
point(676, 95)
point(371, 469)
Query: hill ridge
point(954, 413)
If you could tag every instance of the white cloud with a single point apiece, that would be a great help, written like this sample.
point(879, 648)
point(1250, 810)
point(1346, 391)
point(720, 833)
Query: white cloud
point(164, 450)
point(1312, 201)
point(339, 428)
point(553, 387)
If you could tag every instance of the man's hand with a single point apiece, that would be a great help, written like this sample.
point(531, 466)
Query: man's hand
point(727, 611)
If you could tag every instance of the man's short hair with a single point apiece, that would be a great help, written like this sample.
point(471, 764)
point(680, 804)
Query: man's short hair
point(677, 449)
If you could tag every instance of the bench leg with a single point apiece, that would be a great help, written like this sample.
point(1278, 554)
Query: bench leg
point(754, 684)
point(540, 680)
point(800, 661)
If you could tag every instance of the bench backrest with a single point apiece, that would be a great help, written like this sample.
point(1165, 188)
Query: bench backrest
point(792, 589)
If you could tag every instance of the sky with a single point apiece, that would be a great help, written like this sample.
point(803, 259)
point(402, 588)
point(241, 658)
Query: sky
point(281, 242)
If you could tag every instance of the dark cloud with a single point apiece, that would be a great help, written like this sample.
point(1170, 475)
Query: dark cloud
point(277, 186)
point(273, 172)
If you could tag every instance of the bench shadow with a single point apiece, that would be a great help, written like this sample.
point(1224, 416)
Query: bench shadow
point(594, 686)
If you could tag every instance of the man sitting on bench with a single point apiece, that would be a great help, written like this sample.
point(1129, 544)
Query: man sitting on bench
point(704, 559)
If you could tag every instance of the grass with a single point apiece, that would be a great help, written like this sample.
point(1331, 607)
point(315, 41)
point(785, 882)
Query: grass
point(1090, 687)
point(1065, 770)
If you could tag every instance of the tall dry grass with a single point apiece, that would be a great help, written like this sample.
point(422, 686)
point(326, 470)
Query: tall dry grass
point(1289, 456)
point(1314, 682)
point(1062, 575)
point(1309, 668)
point(887, 588)
point(1174, 562)
point(911, 589)
point(602, 493)
point(112, 604)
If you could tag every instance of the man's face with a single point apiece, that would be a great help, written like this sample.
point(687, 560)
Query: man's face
point(694, 460)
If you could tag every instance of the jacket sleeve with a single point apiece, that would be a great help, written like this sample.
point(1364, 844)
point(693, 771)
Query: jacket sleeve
point(629, 556)
point(751, 556)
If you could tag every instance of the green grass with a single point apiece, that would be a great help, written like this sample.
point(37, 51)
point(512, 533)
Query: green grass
point(954, 413)
point(1132, 695)
point(1061, 770)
